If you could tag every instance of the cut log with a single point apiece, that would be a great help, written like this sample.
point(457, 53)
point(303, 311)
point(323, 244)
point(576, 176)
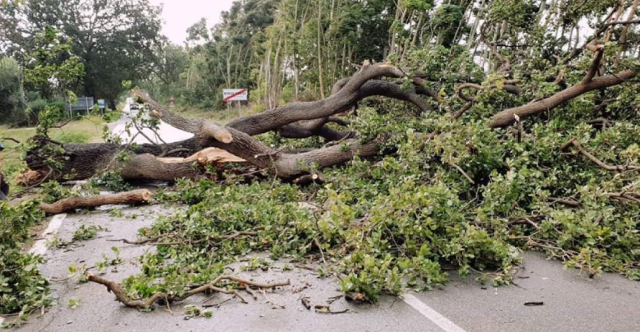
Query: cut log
point(67, 204)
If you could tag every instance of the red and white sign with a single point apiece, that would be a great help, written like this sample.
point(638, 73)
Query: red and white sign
point(235, 94)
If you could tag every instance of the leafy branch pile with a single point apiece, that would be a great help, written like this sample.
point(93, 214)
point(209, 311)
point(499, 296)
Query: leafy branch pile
point(22, 288)
point(416, 215)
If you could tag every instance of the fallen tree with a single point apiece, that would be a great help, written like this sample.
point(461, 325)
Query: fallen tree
point(295, 120)
point(82, 161)
point(437, 186)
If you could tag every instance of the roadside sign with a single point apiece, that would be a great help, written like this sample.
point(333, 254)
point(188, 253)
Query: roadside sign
point(101, 103)
point(235, 94)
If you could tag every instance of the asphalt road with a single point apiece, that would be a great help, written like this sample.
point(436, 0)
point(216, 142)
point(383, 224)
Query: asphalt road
point(570, 302)
point(167, 133)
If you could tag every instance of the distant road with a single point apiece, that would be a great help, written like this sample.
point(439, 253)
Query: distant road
point(166, 132)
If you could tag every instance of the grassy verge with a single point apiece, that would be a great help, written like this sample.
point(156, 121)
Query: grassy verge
point(86, 130)
point(219, 116)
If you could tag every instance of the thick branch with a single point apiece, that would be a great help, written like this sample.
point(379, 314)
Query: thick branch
point(198, 127)
point(371, 88)
point(130, 197)
point(506, 117)
point(339, 102)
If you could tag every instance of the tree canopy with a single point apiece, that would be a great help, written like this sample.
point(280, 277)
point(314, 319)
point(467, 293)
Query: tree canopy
point(114, 39)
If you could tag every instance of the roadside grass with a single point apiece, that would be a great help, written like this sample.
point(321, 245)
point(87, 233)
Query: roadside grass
point(85, 130)
point(223, 116)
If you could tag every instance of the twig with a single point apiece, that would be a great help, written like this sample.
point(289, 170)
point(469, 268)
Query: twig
point(463, 110)
point(248, 289)
point(597, 161)
point(217, 305)
point(568, 202)
point(120, 294)
point(622, 23)
point(138, 242)
point(462, 172)
point(11, 139)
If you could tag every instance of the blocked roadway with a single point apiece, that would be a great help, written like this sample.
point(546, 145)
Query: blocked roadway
point(570, 302)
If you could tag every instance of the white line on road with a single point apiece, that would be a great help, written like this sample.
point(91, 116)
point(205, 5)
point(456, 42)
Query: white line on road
point(40, 246)
point(442, 321)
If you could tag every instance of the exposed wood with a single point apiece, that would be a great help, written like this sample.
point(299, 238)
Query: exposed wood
point(72, 203)
point(208, 155)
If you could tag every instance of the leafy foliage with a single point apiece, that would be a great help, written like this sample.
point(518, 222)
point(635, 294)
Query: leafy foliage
point(22, 287)
point(12, 104)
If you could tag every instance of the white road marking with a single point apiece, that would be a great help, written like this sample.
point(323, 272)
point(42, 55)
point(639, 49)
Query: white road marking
point(40, 247)
point(442, 321)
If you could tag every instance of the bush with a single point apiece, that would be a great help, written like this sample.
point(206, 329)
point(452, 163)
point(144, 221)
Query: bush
point(22, 287)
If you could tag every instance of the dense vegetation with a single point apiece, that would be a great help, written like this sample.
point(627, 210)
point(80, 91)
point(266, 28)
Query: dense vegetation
point(462, 183)
point(79, 47)
point(447, 191)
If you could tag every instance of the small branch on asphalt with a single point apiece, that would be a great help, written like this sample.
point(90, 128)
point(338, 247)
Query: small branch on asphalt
point(121, 295)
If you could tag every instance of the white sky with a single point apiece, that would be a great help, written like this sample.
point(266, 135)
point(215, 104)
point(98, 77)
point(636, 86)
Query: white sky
point(178, 15)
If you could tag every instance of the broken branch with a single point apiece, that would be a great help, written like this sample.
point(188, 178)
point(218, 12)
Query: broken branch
point(616, 168)
point(129, 197)
point(121, 295)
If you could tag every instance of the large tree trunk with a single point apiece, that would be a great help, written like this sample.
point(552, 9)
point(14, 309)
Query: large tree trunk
point(300, 119)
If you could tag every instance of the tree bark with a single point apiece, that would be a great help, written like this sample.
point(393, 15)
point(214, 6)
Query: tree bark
point(507, 117)
point(72, 203)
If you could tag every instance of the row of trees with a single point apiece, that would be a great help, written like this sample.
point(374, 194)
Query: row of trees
point(287, 50)
point(283, 50)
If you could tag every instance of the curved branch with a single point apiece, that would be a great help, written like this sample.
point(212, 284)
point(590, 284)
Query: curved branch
point(122, 296)
point(343, 100)
point(597, 161)
point(506, 117)
point(369, 89)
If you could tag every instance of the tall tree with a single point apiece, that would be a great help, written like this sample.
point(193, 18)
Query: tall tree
point(11, 95)
point(114, 38)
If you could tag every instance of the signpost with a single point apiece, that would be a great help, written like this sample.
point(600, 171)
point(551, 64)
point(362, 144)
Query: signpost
point(231, 95)
point(235, 95)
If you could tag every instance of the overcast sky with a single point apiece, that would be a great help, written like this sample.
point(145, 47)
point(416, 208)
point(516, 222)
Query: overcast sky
point(181, 14)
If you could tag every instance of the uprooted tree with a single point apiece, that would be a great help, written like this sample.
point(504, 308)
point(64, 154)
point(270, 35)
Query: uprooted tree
point(518, 131)
point(295, 120)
